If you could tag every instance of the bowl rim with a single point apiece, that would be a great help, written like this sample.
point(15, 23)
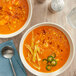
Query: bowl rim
point(28, 67)
point(23, 27)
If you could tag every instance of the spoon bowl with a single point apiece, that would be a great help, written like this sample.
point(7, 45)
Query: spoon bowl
point(8, 52)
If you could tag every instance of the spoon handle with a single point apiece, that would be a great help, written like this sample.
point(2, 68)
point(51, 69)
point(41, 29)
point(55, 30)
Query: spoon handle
point(14, 73)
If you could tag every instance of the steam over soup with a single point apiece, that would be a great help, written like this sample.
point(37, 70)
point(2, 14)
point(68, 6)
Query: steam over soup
point(46, 49)
point(13, 15)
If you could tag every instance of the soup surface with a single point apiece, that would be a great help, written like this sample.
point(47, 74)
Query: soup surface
point(46, 49)
point(13, 15)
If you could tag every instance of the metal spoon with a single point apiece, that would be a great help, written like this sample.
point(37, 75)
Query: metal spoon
point(8, 52)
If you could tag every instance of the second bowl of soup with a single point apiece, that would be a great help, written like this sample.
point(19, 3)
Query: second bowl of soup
point(15, 16)
point(46, 49)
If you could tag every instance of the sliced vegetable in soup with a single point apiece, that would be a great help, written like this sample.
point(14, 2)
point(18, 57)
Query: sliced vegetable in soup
point(13, 15)
point(46, 49)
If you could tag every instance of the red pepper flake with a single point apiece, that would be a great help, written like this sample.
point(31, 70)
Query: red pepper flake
point(43, 41)
point(61, 50)
point(6, 23)
point(44, 32)
point(20, 7)
point(48, 37)
point(60, 37)
point(58, 46)
point(16, 16)
point(0, 8)
point(8, 13)
point(61, 59)
point(37, 33)
point(50, 43)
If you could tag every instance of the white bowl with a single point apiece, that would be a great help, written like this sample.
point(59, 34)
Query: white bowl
point(25, 25)
point(59, 71)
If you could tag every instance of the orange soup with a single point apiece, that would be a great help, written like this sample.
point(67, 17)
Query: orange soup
point(13, 15)
point(46, 49)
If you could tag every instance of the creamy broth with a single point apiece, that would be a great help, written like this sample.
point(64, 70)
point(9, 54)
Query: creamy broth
point(42, 43)
point(13, 15)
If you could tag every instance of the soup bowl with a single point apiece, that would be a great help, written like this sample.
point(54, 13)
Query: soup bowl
point(23, 27)
point(63, 68)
